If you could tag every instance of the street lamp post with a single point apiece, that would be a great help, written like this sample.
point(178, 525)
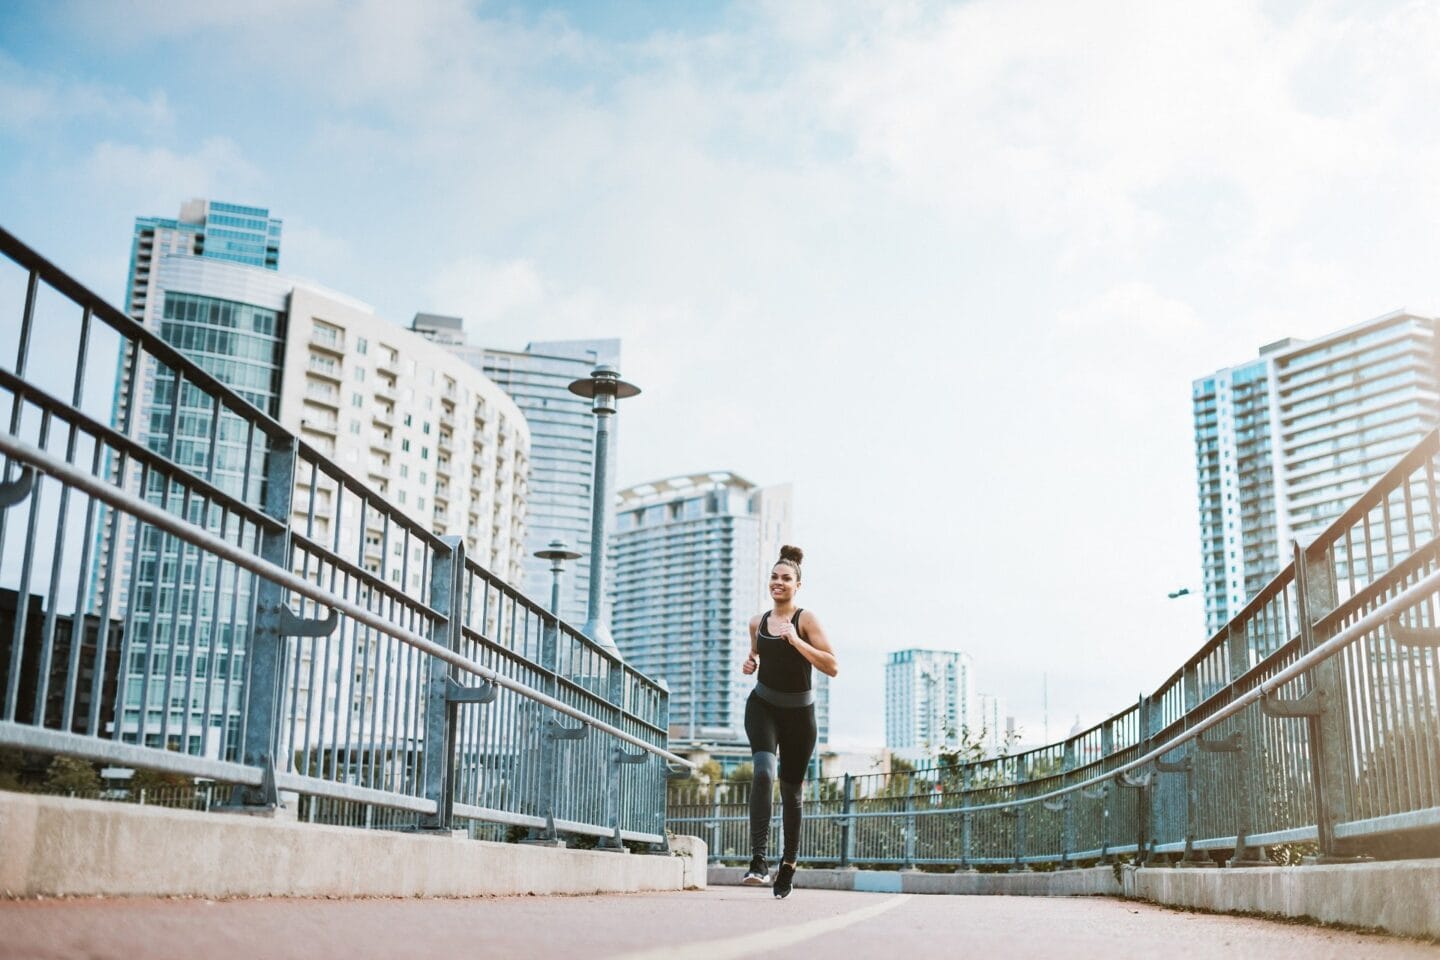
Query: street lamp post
point(557, 553)
point(603, 388)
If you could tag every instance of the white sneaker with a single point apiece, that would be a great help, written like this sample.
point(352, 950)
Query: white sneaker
point(758, 875)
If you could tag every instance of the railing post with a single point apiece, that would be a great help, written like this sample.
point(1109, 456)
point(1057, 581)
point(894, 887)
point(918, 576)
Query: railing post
point(909, 863)
point(1246, 855)
point(1020, 838)
point(966, 818)
point(1107, 747)
point(715, 789)
point(265, 656)
point(1067, 822)
point(847, 825)
point(1152, 819)
point(447, 598)
point(1330, 748)
point(1190, 768)
point(545, 780)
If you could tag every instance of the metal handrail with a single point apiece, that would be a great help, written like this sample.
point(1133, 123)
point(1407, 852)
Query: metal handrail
point(1349, 753)
point(1265, 688)
point(197, 536)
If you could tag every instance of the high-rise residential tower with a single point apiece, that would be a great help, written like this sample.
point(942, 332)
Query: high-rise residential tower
point(427, 431)
point(562, 444)
point(687, 552)
point(1285, 443)
point(929, 701)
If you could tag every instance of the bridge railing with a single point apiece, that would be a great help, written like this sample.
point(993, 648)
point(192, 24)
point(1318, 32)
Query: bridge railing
point(1311, 719)
point(186, 586)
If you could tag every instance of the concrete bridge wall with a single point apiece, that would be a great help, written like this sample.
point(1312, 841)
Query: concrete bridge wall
point(1398, 896)
point(53, 846)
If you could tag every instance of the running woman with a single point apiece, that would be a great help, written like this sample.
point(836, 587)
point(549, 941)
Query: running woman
point(786, 645)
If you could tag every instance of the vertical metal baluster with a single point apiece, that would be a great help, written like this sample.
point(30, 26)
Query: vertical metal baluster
point(80, 629)
point(1430, 498)
point(182, 549)
point(1411, 746)
point(396, 615)
point(229, 699)
point(242, 632)
point(162, 541)
point(1358, 657)
point(314, 760)
point(370, 698)
point(212, 652)
point(202, 560)
point(17, 405)
point(193, 645)
point(127, 649)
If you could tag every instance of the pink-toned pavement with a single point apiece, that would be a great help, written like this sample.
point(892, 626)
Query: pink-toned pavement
point(723, 922)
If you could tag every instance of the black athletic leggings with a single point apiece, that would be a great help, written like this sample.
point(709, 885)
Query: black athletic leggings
point(790, 732)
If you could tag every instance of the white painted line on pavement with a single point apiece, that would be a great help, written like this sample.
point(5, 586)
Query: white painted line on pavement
point(733, 948)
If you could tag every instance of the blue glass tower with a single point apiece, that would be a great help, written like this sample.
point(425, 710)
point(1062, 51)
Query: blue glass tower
point(207, 283)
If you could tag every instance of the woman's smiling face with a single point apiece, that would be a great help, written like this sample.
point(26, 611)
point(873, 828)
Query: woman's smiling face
point(783, 582)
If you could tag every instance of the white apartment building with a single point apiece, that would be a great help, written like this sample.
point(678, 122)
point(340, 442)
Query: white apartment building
point(434, 435)
point(425, 430)
point(929, 701)
point(1286, 442)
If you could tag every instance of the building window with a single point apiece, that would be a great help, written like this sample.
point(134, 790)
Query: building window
point(424, 453)
point(362, 345)
point(357, 400)
point(405, 446)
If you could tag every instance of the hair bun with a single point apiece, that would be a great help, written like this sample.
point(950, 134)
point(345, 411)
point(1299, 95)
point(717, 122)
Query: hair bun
point(793, 554)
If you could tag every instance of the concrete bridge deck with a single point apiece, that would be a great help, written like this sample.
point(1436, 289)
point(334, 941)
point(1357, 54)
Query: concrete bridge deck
point(716, 924)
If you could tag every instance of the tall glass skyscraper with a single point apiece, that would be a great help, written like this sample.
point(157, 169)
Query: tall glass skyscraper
point(691, 556)
point(1285, 443)
point(182, 286)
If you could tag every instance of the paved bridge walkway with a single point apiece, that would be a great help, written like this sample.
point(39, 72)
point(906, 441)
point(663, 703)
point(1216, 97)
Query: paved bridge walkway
point(722, 922)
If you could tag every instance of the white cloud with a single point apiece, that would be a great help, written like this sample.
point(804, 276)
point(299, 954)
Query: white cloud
point(32, 101)
point(156, 176)
point(949, 267)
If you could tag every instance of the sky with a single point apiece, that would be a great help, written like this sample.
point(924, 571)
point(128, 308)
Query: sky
point(948, 268)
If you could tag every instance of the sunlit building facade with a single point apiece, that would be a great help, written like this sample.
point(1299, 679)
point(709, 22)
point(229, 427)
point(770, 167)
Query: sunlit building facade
point(686, 553)
point(1286, 442)
point(562, 445)
point(425, 430)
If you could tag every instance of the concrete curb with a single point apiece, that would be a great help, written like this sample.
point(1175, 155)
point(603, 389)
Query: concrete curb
point(1093, 881)
point(1398, 896)
point(56, 846)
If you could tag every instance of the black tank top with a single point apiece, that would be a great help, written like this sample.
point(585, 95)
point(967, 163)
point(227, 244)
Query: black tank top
point(781, 665)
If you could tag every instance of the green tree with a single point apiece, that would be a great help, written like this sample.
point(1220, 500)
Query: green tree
point(153, 780)
point(709, 772)
point(745, 773)
point(71, 775)
point(12, 769)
